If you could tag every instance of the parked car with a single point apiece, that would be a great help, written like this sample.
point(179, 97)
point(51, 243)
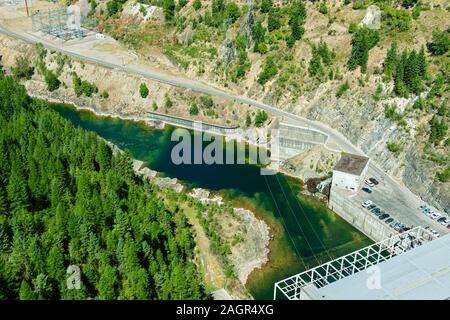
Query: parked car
point(374, 181)
point(368, 190)
point(376, 210)
point(371, 206)
point(441, 219)
point(394, 223)
point(435, 215)
point(389, 220)
point(435, 233)
point(448, 227)
point(427, 213)
point(445, 222)
point(383, 216)
point(369, 183)
point(367, 203)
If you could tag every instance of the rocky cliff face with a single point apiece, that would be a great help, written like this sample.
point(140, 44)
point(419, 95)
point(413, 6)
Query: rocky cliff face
point(362, 120)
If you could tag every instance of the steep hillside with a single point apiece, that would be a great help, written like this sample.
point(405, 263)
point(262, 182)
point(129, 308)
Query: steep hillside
point(314, 58)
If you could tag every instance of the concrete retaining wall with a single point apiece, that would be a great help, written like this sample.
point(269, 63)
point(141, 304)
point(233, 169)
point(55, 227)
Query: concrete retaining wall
point(361, 218)
point(189, 124)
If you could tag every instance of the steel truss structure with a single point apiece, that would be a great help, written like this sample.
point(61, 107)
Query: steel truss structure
point(55, 23)
point(352, 263)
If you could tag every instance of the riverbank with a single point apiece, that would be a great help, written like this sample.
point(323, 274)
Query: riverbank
point(302, 234)
point(248, 254)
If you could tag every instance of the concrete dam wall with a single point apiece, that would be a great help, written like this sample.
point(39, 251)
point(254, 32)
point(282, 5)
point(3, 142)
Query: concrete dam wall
point(359, 217)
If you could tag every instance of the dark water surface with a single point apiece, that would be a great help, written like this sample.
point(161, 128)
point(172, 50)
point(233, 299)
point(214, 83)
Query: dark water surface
point(305, 232)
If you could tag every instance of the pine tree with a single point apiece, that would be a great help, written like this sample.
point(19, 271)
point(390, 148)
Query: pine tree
point(390, 62)
point(315, 64)
point(422, 63)
point(25, 291)
point(17, 191)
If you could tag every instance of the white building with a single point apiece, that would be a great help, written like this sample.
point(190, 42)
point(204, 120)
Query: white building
point(350, 171)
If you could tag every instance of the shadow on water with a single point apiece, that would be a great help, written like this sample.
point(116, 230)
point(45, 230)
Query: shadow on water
point(305, 233)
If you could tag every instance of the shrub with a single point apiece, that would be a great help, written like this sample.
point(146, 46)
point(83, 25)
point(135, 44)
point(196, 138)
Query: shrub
point(22, 69)
point(167, 102)
point(440, 43)
point(193, 109)
point(342, 89)
point(197, 5)
point(261, 117)
point(393, 147)
point(270, 69)
point(51, 80)
point(207, 102)
point(363, 40)
point(104, 94)
point(143, 90)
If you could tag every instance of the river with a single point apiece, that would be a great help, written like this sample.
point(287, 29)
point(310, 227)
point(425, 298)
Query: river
point(305, 232)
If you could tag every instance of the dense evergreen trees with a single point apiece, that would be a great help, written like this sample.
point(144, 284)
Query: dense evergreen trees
point(440, 43)
point(321, 54)
point(65, 199)
point(408, 70)
point(363, 40)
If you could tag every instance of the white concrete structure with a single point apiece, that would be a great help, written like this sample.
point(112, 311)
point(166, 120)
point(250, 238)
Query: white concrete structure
point(349, 172)
point(411, 265)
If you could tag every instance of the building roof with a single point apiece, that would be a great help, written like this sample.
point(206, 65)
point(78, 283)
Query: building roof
point(351, 163)
point(422, 273)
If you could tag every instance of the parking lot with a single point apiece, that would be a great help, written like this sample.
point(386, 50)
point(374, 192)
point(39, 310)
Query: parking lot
point(397, 201)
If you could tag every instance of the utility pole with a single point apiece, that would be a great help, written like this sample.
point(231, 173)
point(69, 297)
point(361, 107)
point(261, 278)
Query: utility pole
point(26, 5)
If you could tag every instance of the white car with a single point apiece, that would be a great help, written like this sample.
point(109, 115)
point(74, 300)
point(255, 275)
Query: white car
point(435, 233)
point(367, 203)
point(369, 183)
point(435, 215)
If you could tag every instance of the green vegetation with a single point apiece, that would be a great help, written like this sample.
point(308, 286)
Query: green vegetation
point(440, 43)
point(167, 102)
point(342, 89)
point(83, 87)
point(143, 90)
point(297, 16)
point(393, 147)
point(444, 176)
point(23, 68)
point(438, 129)
point(104, 94)
point(408, 70)
point(65, 199)
point(206, 102)
point(248, 120)
point(363, 40)
point(269, 70)
point(396, 20)
point(51, 80)
point(194, 110)
point(320, 54)
point(390, 112)
point(261, 117)
point(169, 9)
point(197, 5)
point(259, 36)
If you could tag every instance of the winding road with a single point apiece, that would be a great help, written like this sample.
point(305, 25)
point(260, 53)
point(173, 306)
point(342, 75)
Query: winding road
point(336, 141)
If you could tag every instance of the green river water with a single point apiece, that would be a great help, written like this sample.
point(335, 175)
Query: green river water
point(305, 232)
